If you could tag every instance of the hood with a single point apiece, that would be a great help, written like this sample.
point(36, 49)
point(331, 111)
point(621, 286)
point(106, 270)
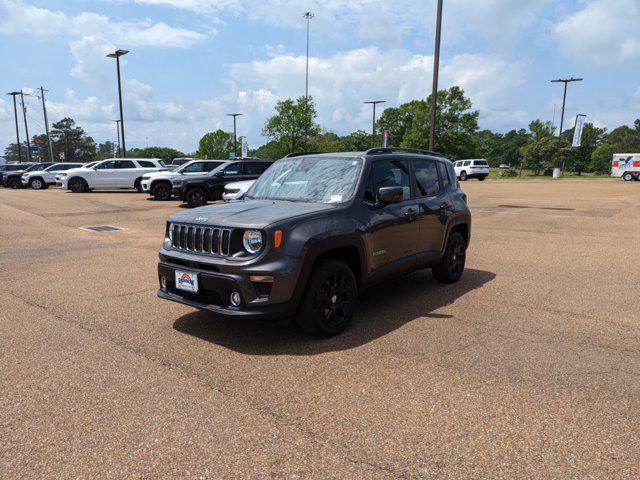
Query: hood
point(249, 214)
point(163, 173)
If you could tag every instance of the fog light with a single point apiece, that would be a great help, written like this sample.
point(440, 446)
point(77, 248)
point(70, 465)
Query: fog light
point(235, 299)
point(163, 282)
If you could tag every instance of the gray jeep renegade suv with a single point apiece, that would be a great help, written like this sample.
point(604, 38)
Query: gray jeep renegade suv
point(313, 231)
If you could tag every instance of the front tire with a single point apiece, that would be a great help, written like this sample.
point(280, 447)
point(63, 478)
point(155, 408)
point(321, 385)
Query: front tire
point(329, 299)
point(481, 179)
point(15, 183)
point(627, 177)
point(78, 185)
point(161, 191)
point(196, 197)
point(37, 184)
point(451, 265)
point(138, 185)
point(463, 176)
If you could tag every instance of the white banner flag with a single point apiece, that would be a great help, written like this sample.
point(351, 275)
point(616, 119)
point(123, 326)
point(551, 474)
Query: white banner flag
point(245, 148)
point(577, 131)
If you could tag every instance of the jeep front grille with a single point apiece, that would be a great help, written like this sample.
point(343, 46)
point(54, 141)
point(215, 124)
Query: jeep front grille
point(197, 239)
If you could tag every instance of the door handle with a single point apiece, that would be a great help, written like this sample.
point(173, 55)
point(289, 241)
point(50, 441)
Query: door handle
point(411, 214)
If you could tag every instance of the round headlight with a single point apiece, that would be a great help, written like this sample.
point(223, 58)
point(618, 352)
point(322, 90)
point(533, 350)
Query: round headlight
point(252, 241)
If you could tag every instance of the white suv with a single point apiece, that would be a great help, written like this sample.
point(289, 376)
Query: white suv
point(471, 169)
point(117, 173)
point(160, 184)
point(61, 175)
point(41, 179)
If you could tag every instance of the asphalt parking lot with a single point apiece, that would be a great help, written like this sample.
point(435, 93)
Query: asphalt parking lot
point(527, 368)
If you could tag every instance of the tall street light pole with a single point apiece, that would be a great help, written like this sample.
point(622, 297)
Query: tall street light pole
point(118, 132)
point(46, 123)
point(117, 54)
point(373, 131)
point(436, 67)
point(26, 127)
point(15, 114)
point(308, 16)
point(235, 141)
point(566, 81)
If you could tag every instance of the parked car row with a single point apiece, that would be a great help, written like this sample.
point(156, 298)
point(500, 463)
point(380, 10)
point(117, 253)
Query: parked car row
point(194, 181)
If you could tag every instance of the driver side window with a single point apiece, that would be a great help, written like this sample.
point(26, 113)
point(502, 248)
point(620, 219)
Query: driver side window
point(106, 165)
point(232, 170)
point(391, 173)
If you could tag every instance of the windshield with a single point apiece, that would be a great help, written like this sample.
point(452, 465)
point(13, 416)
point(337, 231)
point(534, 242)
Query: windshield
point(308, 179)
point(35, 167)
point(51, 167)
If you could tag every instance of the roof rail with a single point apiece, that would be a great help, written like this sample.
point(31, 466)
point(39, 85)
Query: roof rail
point(301, 154)
point(382, 150)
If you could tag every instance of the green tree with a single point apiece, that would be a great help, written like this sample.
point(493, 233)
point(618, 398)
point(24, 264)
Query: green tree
point(271, 151)
point(215, 145)
point(540, 129)
point(540, 155)
point(11, 152)
point(293, 122)
point(601, 158)
point(105, 150)
point(71, 139)
point(165, 154)
point(578, 159)
point(357, 141)
point(456, 124)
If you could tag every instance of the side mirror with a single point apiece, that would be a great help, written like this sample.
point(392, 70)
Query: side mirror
point(390, 194)
point(219, 174)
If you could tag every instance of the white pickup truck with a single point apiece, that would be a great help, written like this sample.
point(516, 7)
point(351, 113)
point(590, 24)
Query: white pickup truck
point(626, 165)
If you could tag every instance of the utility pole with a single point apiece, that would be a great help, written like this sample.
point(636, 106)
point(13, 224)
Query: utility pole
point(118, 132)
point(235, 141)
point(46, 123)
point(15, 114)
point(308, 16)
point(436, 67)
point(117, 54)
point(26, 127)
point(566, 81)
point(373, 131)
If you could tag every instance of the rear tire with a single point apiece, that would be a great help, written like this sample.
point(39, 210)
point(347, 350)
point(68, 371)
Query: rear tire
point(463, 176)
point(161, 191)
point(329, 300)
point(627, 177)
point(14, 183)
point(37, 184)
point(196, 197)
point(451, 265)
point(78, 185)
point(138, 185)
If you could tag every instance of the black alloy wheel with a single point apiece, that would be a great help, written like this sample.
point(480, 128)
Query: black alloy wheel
point(451, 265)
point(329, 300)
point(161, 191)
point(14, 183)
point(196, 198)
point(78, 185)
point(463, 176)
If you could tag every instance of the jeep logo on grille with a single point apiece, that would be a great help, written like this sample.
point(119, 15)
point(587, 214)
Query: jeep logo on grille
point(201, 219)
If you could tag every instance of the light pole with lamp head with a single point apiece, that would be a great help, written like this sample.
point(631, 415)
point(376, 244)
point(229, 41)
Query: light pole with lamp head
point(373, 131)
point(117, 54)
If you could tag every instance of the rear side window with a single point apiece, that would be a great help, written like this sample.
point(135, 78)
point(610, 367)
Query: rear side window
point(196, 167)
point(254, 168)
point(427, 180)
point(444, 175)
point(480, 163)
point(391, 173)
point(208, 166)
point(121, 164)
point(466, 164)
point(146, 164)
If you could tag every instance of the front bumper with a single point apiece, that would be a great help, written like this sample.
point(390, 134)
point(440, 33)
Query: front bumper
point(216, 283)
point(145, 185)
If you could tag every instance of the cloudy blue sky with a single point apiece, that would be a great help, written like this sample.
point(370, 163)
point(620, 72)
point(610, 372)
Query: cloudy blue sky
point(193, 61)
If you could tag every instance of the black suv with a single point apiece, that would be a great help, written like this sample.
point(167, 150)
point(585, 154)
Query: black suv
point(197, 191)
point(313, 231)
point(13, 178)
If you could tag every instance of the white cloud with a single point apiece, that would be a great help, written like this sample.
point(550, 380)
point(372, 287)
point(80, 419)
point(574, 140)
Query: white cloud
point(604, 33)
point(4, 109)
point(18, 18)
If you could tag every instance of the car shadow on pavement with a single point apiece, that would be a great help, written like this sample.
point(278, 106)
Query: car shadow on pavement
point(382, 309)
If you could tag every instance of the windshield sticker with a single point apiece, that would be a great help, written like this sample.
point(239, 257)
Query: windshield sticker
point(335, 199)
